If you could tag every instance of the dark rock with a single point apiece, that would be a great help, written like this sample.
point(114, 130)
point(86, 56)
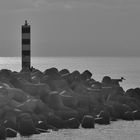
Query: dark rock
point(11, 133)
point(26, 126)
point(128, 116)
point(68, 100)
point(41, 125)
point(41, 130)
point(34, 89)
point(86, 75)
point(81, 113)
point(99, 120)
point(103, 118)
point(2, 132)
point(106, 81)
point(111, 112)
point(58, 85)
point(75, 76)
point(88, 121)
point(136, 114)
point(71, 123)
point(119, 109)
point(55, 121)
point(53, 72)
point(64, 72)
point(55, 101)
point(135, 93)
point(67, 113)
point(37, 132)
point(10, 124)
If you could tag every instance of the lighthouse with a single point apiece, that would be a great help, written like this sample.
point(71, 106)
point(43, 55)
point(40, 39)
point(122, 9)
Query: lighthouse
point(26, 45)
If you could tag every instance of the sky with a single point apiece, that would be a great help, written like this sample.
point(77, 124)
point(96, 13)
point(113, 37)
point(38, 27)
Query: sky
point(72, 27)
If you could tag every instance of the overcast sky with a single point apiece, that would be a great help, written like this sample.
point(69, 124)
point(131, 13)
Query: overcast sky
point(72, 27)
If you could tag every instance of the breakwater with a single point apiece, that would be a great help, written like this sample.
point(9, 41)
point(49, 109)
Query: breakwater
point(34, 101)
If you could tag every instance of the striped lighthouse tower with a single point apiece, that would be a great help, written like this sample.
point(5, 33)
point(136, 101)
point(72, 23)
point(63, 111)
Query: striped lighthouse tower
point(26, 46)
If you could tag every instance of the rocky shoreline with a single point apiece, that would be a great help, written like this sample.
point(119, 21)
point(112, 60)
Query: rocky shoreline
point(33, 102)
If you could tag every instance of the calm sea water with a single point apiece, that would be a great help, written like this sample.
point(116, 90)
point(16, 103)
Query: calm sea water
point(115, 67)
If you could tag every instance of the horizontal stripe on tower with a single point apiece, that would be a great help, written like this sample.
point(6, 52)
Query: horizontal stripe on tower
point(26, 59)
point(26, 53)
point(26, 29)
point(26, 41)
point(26, 47)
point(25, 35)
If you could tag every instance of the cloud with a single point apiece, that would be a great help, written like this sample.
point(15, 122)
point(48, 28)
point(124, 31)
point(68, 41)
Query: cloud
point(15, 5)
point(38, 3)
point(102, 2)
point(67, 4)
point(52, 3)
point(34, 5)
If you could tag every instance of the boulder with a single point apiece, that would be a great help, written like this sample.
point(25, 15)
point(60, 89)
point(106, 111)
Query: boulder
point(72, 123)
point(130, 101)
point(14, 80)
point(26, 126)
point(58, 85)
point(10, 120)
point(111, 111)
point(88, 121)
point(79, 88)
point(106, 81)
point(66, 113)
point(135, 93)
point(64, 72)
point(136, 114)
point(28, 106)
point(4, 81)
point(103, 118)
point(92, 83)
point(107, 93)
point(55, 121)
point(34, 105)
point(67, 78)
point(34, 89)
point(36, 76)
point(10, 124)
point(41, 125)
point(81, 113)
point(68, 100)
point(119, 109)
point(2, 132)
point(75, 75)
point(11, 133)
point(35, 118)
point(17, 94)
point(5, 73)
point(55, 101)
point(26, 75)
point(4, 100)
point(53, 73)
point(86, 75)
point(128, 116)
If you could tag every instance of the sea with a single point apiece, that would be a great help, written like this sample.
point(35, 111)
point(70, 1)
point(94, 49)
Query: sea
point(115, 67)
